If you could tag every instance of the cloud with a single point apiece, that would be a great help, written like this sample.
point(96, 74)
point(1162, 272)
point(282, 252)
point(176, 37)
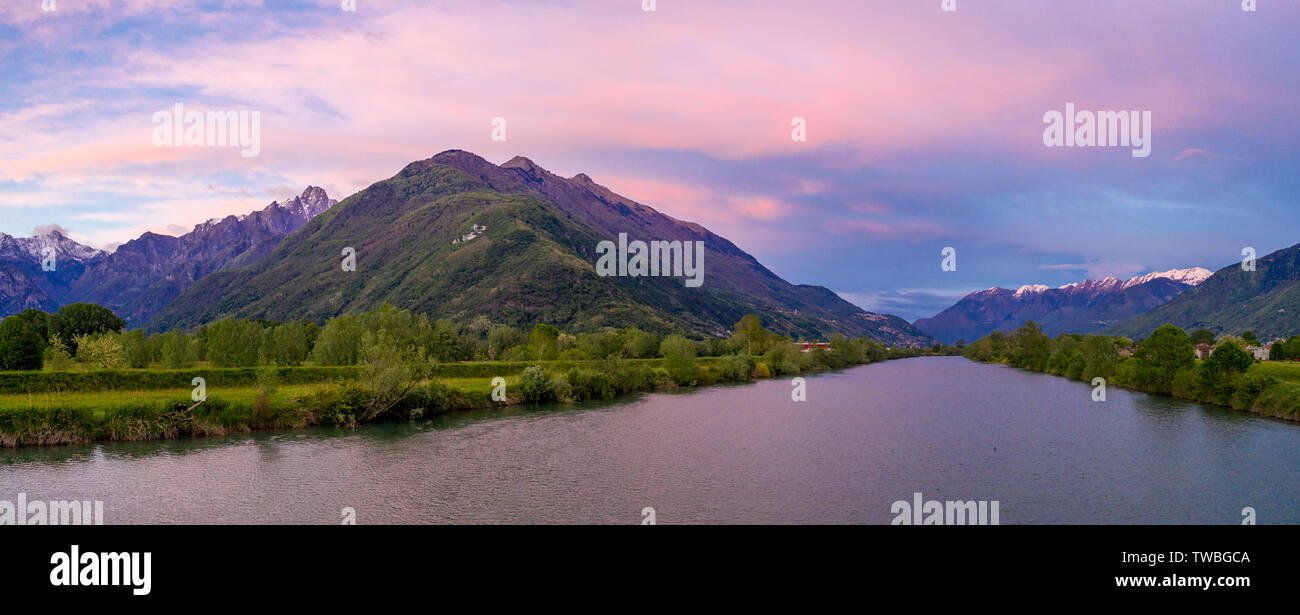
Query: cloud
point(1196, 152)
point(1096, 270)
point(920, 128)
point(48, 229)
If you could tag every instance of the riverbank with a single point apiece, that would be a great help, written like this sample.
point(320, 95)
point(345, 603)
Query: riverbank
point(47, 408)
point(1269, 388)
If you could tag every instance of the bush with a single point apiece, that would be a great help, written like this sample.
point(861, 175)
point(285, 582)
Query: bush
point(559, 389)
point(342, 404)
point(1247, 389)
point(783, 359)
point(533, 385)
point(683, 371)
point(587, 384)
point(60, 358)
point(431, 398)
point(736, 367)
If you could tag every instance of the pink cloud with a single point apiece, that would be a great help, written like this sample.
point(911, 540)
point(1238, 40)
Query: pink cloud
point(404, 80)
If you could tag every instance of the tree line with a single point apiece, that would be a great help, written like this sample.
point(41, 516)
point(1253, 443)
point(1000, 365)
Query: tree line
point(1165, 362)
point(90, 336)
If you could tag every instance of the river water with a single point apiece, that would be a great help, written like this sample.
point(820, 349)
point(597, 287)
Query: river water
point(865, 437)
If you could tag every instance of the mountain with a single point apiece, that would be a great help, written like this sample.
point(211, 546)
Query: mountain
point(1082, 307)
point(457, 236)
point(146, 273)
point(25, 284)
point(1265, 301)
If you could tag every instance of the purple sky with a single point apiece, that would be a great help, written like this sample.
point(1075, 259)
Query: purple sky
point(924, 128)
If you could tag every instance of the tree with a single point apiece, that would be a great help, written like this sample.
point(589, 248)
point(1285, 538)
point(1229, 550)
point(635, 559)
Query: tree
point(1032, 348)
point(138, 350)
point(677, 347)
point(1229, 357)
point(1161, 355)
point(389, 369)
point(1202, 336)
point(1100, 357)
point(501, 339)
point(60, 357)
point(1250, 338)
point(39, 321)
point(338, 341)
point(103, 351)
point(233, 343)
point(179, 350)
point(751, 336)
point(1281, 351)
point(20, 345)
point(77, 319)
point(284, 344)
point(640, 344)
point(544, 338)
point(1220, 371)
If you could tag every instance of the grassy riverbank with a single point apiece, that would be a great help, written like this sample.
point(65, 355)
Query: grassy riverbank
point(1163, 364)
point(76, 406)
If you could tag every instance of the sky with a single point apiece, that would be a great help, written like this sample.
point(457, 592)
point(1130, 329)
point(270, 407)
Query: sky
point(924, 127)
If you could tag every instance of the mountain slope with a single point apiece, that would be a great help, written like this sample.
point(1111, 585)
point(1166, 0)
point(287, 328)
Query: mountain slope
point(1074, 308)
point(147, 273)
point(1265, 301)
point(528, 258)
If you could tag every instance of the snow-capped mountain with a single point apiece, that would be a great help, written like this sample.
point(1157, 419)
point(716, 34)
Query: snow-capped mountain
point(1078, 307)
point(25, 282)
point(1191, 277)
point(146, 273)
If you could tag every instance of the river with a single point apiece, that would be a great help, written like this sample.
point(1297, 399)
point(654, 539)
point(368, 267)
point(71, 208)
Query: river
point(864, 438)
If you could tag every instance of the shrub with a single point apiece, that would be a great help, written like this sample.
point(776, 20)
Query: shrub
point(342, 404)
point(737, 367)
point(430, 398)
point(533, 385)
point(60, 358)
point(783, 359)
point(1247, 389)
point(558, 388)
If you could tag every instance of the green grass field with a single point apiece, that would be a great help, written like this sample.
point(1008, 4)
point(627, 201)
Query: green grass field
point(1284, 371)
point(101, 401)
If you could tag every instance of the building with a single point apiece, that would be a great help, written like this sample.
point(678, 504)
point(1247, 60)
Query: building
point(1203, 351)
point(1259, 352)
